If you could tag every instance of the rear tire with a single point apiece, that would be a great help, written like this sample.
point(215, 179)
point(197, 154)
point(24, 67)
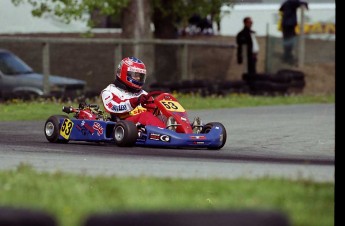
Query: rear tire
point(52, 129)
point(207, 128)
point(125, 133)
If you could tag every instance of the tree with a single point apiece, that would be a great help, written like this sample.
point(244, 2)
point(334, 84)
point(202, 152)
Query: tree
point(167, 17)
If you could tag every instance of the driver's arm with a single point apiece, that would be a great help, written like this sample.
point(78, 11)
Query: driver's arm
point(114, 104)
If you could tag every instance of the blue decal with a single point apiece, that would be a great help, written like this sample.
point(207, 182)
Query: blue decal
point(119, 108)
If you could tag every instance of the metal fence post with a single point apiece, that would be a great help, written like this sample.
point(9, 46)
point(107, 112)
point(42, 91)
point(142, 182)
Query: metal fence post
point(301, 46)
point(137, 49)
point(268, 51)
point(184, 62)
point(118, 54)
point(245, 58)
point(46, 68)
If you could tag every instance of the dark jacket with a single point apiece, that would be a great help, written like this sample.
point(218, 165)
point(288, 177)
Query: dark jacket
point(244, 38)
point(289, 10)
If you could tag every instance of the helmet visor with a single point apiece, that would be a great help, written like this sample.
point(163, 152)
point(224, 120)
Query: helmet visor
point(136, 76)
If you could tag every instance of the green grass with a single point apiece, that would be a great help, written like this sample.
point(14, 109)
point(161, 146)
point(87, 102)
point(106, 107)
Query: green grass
point(42, 109)
point(70, 198)
point(236, 101)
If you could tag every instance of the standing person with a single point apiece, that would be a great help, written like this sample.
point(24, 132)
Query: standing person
point(246, 37)
point(288, 24)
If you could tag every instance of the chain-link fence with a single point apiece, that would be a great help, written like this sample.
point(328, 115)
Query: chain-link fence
point(175, 64)
point(95, 60)
point(316, 51)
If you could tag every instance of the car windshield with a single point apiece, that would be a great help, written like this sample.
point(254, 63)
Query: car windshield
point(12, 65)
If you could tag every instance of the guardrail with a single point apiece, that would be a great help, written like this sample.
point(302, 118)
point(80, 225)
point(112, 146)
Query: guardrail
point(118, 47)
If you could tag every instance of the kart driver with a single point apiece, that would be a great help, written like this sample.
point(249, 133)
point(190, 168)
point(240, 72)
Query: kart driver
point(123, 98)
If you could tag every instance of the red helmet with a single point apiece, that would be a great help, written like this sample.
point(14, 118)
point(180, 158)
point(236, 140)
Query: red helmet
point(132, 73)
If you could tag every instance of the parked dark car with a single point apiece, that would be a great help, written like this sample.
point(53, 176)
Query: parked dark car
point(18, 80)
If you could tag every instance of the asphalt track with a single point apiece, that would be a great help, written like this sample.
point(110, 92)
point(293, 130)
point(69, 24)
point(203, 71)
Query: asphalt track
point(295, 142)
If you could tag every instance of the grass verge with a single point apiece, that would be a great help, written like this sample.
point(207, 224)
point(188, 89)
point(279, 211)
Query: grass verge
point(71, 198)
point(41, 109)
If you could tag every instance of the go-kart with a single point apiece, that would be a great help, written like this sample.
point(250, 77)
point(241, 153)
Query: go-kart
point(90, 123)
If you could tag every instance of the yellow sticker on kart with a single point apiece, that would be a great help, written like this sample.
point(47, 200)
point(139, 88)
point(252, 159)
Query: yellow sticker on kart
point(137, 110)
point(171, 105)
point(66, 128)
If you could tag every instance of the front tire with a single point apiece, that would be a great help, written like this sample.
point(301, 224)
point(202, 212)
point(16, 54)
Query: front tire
point(125, 133)
point(207, 128)
point(52, 129)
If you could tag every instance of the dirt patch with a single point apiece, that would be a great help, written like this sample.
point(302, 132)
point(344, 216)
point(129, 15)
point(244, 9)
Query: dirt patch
point(320, 79)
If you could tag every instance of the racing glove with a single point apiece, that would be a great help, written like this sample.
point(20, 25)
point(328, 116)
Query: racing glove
point(142, 99)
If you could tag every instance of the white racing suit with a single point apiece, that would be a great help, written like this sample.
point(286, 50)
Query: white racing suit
point(117, 102)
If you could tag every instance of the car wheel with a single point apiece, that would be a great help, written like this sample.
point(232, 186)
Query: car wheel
point(207, 128)
point(125, 133)
point(52, 129)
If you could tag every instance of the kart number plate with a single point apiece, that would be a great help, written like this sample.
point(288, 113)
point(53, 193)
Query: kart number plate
point(171, 105)
point(66, 128)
